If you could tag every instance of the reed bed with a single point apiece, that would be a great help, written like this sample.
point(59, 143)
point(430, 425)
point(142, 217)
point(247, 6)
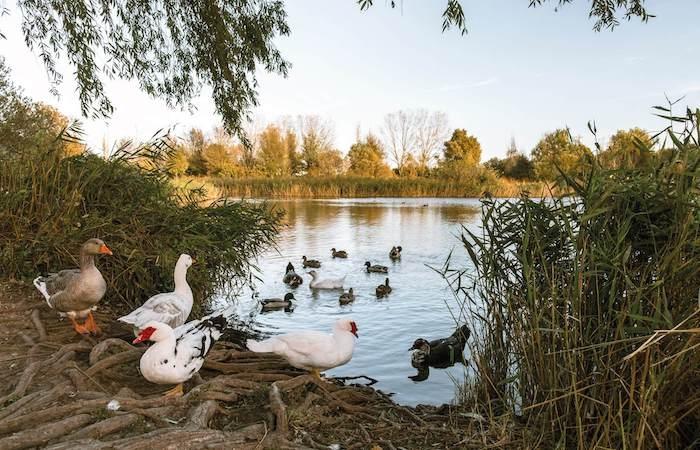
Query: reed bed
point(586, 310)
point(50, 204)
point(358, 187)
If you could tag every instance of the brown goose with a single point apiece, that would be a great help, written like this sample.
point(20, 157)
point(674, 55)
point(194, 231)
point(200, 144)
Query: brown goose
point(75, 292)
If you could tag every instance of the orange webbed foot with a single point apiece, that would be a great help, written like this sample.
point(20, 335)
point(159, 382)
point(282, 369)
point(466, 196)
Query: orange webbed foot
point(91, 325)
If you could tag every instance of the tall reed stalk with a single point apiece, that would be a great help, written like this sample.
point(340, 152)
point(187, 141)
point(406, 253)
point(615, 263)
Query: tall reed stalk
point(50, 204)
point(586, 309)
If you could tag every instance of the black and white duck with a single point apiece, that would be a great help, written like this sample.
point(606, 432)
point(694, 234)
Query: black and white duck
point(291, 277)
point(347, 297)
point(339, 253)
point(383, 289)
point(376, 268)
point(276, 304)
point(440, 353)
point(395, 253)
point(313, 263)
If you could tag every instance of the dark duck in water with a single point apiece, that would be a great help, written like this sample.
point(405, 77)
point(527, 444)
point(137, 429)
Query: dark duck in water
point(274, 304)
point(440, 353)
point(291, 277)
point(314, 263)
point(339, 253)
point(395, 253)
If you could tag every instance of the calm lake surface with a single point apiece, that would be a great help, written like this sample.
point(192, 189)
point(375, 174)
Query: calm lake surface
point(421, 305)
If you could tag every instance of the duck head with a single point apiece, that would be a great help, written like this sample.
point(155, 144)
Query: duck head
point(95, 246)
point(420, 344)
point(153, 331)
point(347, 325)
point(368, 264)
point(290, 267)
point(462, 333)
point(289, 297)
point(313, 274)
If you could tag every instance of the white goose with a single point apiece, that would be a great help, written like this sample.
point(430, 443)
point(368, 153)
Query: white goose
point(171, 308)
point(312, 350)
point(178, 354)
point(328, 283)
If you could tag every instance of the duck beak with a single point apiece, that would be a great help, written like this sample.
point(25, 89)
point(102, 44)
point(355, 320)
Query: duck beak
point(138, 340)
point(105, 250)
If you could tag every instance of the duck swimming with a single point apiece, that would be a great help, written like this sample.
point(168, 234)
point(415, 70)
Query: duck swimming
point(313, 263)
point(395, 253)
point(376, 268)
point(440, 353)
point(75, 292)
point(347, 297)
point(339, 253)
point(275, 304)
point(328, 283)
point(291, 277)
point(383, 289)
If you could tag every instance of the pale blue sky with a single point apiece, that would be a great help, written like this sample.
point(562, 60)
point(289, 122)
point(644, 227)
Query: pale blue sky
point(519, 72)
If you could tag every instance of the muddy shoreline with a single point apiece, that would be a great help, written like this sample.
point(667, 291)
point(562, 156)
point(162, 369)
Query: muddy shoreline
point(64, 391)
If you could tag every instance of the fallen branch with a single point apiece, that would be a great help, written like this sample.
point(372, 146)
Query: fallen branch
point(105, 427)
point(200, 415)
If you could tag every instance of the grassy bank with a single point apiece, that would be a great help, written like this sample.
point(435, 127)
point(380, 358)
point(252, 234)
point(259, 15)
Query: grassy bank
point(586, 310)
point(353, 187)
point(51, 204)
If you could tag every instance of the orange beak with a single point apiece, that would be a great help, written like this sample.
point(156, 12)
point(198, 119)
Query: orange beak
point(105, 250)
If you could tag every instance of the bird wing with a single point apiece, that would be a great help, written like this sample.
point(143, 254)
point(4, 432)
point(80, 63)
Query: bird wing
point(57, 282)
point(194, 340)
point(166, 307)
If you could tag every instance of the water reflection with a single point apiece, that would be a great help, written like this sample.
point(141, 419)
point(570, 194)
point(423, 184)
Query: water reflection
point(420, 303)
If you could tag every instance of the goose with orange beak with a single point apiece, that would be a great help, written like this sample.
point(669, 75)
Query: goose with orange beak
point(76, 292)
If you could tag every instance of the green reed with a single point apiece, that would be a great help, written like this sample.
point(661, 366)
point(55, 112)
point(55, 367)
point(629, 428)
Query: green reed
point(566, 295)
point(50, 204)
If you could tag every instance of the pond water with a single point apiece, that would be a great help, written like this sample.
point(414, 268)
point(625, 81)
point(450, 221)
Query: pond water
point(421, 304)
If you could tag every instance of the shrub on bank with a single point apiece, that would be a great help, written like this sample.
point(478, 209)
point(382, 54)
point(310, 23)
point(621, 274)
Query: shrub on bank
point(50, 204)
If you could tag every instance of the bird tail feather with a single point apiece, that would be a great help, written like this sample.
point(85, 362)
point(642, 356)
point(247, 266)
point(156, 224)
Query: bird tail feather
point(40, 284)
point(271, 345)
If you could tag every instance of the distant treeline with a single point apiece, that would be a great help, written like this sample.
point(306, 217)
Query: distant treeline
point(414, 154)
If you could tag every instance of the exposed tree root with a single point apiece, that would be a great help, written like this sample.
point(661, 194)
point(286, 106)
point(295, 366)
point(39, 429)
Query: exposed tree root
point(65, 392)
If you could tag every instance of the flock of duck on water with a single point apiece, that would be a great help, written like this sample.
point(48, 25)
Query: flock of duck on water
point(180, 347)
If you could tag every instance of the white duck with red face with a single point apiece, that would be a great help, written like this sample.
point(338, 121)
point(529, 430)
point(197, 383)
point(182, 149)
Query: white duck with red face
point(313, 350)
point(179, 353)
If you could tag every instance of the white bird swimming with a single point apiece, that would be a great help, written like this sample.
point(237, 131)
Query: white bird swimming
point(312, 350)
point(171, 308)
point(179, 353)
point(328, 283)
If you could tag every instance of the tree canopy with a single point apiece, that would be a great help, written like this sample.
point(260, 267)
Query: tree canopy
point(559, 151)
point(170, 48)
point(627, 148)
point(366, 158)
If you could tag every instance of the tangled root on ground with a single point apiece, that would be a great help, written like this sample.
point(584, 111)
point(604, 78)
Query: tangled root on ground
point(66, 392)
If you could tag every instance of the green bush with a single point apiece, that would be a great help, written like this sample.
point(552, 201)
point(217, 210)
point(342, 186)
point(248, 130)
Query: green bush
point(566, 294)
point(49, 205)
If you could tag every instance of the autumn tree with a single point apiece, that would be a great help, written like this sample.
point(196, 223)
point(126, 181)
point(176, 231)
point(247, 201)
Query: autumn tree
point(559, 151)
point(291, 145)
point(316, 138)
point(26, 125)
point(366, 158)
point(194, 144)
point(273, 156)
point(177, 162)
point(461, 153)
point(515, 165)
point(627, 148)
point(330, 164)
point(219, 160)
